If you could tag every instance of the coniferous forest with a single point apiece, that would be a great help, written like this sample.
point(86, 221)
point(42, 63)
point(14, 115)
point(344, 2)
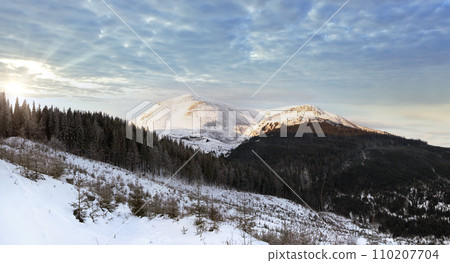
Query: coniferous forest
point(399, 184)
point(101, 137)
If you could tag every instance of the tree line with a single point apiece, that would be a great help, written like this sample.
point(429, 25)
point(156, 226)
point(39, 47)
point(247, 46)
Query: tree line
point(98, 136)
point(328, 173)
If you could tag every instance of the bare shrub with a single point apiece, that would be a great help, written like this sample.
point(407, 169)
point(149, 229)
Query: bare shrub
point(137, 201)
point(55, 168)
point(200, 224)
point(172, 208)
point(246, 218)
point(288, 234)
point(214, 214)
point(270, 237)
point(155, 206)
point(106, 198)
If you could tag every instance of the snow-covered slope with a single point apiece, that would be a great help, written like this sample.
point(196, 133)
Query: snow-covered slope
point(40, 212)
point(294, 115)
point(206, 123)
point(217, 127)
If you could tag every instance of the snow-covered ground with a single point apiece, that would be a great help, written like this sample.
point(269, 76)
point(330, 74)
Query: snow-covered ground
point(40, 212)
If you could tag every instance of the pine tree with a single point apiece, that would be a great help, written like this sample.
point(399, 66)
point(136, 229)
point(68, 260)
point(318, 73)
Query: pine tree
point(43, 123)
point(78, 134)
point(17, 120)
point(27, 121)
point(82, 200)
point(132, 155)
point(137, 201)
point(246, 217)
point(106, 200)
point(5, 118)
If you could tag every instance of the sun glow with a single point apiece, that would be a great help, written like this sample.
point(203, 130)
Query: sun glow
point(15, 88)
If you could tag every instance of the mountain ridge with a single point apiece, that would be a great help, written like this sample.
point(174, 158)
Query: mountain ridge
point(181, 123)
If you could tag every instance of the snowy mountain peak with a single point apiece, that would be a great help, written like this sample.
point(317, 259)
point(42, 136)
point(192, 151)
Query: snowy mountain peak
point(194, 102)
point(207, 123)
point(215, 126)
point(302, 111)
point(183, 99)
point(305, 108)
point(295, 115)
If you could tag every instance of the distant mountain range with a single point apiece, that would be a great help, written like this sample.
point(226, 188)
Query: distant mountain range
point(396, 184)
point(218, 127)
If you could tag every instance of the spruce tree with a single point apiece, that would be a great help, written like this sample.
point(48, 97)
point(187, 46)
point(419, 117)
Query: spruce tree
point(5, 118)
point(17, 120)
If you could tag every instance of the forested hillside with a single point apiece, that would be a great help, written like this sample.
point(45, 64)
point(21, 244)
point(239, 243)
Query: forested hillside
point(92, 135)
point(401, 185)
point(101, 137)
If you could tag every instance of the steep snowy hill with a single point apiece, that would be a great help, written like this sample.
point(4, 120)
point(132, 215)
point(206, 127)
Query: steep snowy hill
point(42, 211)
point(218, 127)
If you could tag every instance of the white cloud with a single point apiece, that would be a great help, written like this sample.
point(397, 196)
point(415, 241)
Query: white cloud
point(36, 69)
point(388, 52)
point(33, 73)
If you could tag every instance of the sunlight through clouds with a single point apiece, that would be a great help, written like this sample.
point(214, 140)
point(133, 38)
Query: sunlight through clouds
point(33, 68)
point(24, 76)
point(372, 53)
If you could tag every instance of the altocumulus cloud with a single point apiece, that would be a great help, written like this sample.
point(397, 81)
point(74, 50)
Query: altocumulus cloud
point(382, 54)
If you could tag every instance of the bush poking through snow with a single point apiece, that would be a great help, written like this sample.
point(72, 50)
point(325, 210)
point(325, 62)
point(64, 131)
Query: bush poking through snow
point(30, 157)
point(56, 168)
point(137, 201)
point(82, 203)
point(184, 230)
point(214, 214)
point(246, 219)
point(172, 208)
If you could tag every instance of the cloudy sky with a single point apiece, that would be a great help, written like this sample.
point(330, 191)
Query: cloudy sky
point(384, 64)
